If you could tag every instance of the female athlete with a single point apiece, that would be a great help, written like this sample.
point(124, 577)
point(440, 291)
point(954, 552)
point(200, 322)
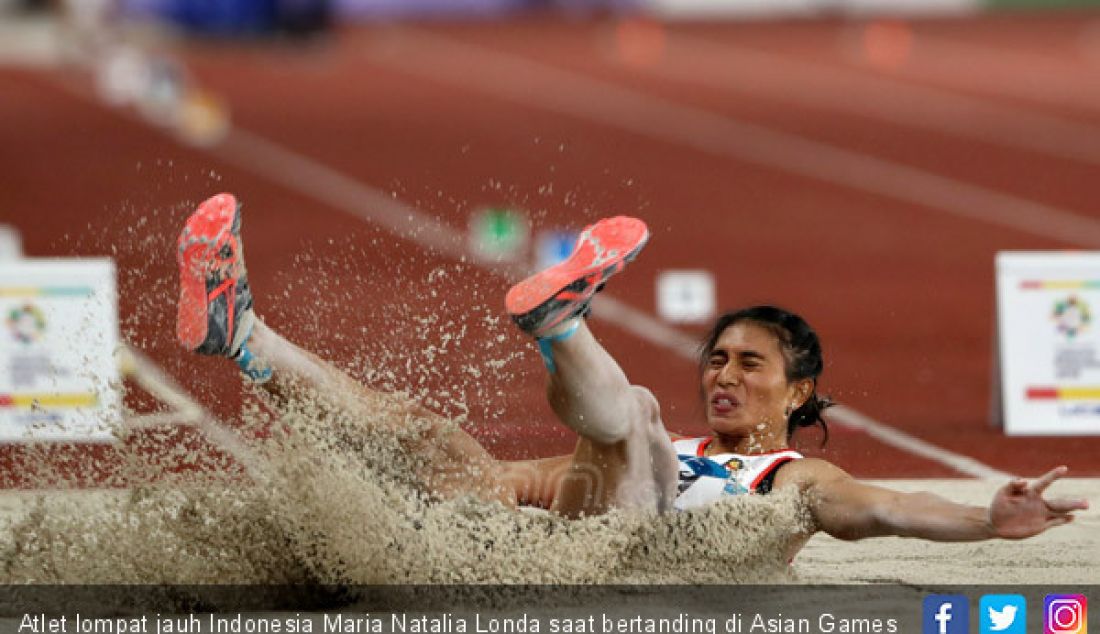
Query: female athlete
point(758, 374)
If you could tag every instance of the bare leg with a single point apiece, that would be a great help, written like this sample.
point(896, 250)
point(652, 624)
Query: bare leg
point(215, 317)
point(452, 462)
point(624, 457)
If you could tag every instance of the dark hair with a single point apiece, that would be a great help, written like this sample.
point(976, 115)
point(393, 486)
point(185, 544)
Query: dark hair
point(801, 353)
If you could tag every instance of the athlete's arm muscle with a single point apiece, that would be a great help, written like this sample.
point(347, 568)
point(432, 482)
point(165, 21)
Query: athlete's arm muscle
point(848, 509)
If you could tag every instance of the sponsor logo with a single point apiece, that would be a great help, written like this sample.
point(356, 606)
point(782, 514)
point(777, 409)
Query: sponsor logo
point(1072, 316)
point(27, 323)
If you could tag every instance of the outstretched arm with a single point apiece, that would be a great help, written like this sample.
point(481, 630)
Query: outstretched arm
point(848, 509)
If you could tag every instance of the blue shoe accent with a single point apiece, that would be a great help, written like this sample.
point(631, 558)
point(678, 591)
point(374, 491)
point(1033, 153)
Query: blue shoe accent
point(252, 367)
point(545, 345)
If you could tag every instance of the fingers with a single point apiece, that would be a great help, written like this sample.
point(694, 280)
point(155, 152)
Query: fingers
point(1048, 478)
point(1065, 505)
point(1060, 520)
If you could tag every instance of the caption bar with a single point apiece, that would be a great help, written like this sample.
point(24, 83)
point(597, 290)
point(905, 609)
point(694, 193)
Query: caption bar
point(446, 623)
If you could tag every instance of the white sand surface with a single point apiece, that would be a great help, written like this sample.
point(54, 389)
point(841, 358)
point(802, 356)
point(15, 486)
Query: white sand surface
point(1068, 554)
point(894, 574)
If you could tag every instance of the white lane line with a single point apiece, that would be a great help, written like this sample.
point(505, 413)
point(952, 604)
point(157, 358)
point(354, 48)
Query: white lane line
point(1001, 71)
point(135, 365)
point(274, 162)
point(185, 410)
point(537, 85)
point(309, 177)
point(263, 157)
point(739, 71)
point(897, 438)
point(281, 165)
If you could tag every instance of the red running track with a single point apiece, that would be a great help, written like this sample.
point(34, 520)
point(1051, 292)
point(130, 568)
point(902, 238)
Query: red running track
point(765, 152)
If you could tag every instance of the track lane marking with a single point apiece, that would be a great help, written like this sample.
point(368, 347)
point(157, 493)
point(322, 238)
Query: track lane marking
point(284, 167)
point(265, 158)
point(739, 70)
point(185, 410)
point(1037, 78)
point(896, 438)
point(269, 160)
point(537, 85)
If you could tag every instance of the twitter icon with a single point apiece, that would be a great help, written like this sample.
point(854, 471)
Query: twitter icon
point(1003, 614)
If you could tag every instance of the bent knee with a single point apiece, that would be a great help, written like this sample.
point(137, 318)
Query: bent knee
point(647, 409)
point(638, 417)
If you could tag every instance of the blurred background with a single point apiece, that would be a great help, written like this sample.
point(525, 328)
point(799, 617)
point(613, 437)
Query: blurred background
point(402, 162)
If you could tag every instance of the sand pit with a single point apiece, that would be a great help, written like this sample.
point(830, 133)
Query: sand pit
point(240, 536)
point(334, 500)
point(1068, 555)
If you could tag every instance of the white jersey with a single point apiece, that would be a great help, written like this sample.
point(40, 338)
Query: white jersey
point(705, 479)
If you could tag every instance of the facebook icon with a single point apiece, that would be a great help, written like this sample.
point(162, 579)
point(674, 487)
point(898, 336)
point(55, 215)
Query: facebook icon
point(946, 614)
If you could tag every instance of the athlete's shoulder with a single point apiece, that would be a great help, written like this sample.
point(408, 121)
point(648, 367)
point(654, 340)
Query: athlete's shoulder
point(807, 472)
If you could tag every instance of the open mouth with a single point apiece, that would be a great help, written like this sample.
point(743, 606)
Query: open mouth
point(723, 403)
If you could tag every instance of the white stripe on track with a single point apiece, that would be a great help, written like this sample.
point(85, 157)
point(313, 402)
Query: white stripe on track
point(738, 70)
point(278, 164)
point(1038, 78)
point(265, 158)
point(538, 85)
point(186, 411)
point(897, 438)
point(309, 177)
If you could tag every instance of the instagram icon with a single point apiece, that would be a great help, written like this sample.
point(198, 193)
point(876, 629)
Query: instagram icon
point(1065, 614)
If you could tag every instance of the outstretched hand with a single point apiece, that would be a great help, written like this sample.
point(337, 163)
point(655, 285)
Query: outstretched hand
point(1019, 509)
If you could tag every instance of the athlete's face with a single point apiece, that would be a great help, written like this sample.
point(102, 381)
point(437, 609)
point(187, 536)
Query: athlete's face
point(745, 384)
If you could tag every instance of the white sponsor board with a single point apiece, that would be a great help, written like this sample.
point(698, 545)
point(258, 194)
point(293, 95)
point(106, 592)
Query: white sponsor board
point(686, 296)
point(58, 336)
point(11, 243)
point(1049, 342)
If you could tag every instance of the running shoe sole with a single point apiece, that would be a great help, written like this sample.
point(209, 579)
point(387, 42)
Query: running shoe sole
point(214, 313)
point(549, 297)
